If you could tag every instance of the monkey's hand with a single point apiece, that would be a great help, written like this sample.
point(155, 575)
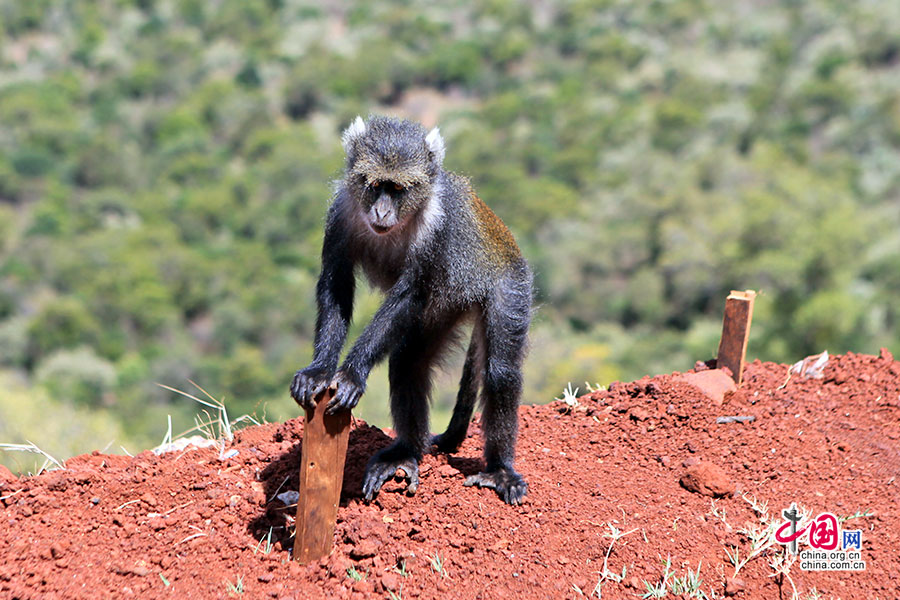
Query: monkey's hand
point(508, 484)
point(308, 384)
point(384, 464)
point(349, 391)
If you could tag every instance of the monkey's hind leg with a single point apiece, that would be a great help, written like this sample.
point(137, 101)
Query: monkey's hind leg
point(506, 320)
point(409, 373)
point(453, 437)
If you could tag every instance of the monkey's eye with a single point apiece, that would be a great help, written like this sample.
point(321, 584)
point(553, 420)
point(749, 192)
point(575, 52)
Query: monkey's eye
point(376, 185)
point(396, 187)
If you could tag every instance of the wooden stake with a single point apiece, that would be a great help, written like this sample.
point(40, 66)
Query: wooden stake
point(736, 332)
point(321, 474)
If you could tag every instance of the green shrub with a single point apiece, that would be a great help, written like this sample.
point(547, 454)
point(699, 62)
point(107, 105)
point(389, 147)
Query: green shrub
point(78, 376)
point(62, 323)
point(30, 414)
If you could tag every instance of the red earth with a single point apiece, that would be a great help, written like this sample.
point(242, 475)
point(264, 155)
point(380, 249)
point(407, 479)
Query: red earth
point(191, 525)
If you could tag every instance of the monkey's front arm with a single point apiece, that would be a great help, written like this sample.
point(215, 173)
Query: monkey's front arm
point(334, 297)
point(391, 321)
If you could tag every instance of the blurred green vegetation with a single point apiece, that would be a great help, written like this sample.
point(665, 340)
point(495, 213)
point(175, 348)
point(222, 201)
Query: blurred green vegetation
point(165, 167)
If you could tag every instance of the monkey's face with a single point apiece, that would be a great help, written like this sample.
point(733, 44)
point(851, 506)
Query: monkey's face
point(388, 204)
point(391, 166)
point(390, 195)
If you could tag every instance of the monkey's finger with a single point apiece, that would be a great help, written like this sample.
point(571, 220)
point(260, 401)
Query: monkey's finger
point(301, 391)
point(298, 385)
point(508, 484)
point(372, 492)
point(316, 389)
point(295, 387)
point(413, 483)
point(515, 493)
point(479, 480)
point(298, 393)
point(334, 405)
point(375, 478)
point(345, 399)
point(410, 472)
point(303, 394)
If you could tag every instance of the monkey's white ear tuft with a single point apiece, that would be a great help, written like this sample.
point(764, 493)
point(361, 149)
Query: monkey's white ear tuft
point(356, 129)
point(435, 143)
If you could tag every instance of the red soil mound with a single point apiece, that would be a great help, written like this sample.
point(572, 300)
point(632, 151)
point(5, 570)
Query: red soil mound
point(189, 524)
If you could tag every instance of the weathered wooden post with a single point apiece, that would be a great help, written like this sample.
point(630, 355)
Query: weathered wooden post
point(321, 474)
point(736, 332)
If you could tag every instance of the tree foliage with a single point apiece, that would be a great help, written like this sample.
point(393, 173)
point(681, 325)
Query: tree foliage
point(165, 169)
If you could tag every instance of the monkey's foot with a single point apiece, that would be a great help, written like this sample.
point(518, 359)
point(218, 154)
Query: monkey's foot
point(444, 443)
point(384, 465)
point(508, 484)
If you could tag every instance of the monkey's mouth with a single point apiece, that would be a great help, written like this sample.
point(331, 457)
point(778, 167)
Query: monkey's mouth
point(381, 229)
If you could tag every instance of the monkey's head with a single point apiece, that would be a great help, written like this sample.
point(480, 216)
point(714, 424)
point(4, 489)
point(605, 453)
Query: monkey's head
point(392, 165)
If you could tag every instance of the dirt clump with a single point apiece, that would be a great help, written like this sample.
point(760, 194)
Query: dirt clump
point(208, 523)
point(715, 383)
point(707, 479)
point(6, 476)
